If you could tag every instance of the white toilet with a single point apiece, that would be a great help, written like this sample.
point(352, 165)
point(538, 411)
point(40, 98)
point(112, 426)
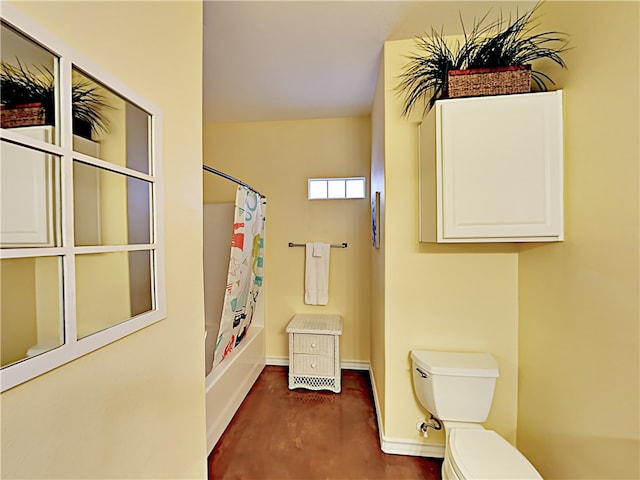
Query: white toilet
point(457, 388)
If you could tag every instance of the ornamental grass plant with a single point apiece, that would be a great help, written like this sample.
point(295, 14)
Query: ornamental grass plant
point(20, 85)
point(496, 44)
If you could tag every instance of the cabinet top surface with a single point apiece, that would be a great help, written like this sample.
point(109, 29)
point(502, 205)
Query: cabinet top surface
point(513, 97)
point(318, 324)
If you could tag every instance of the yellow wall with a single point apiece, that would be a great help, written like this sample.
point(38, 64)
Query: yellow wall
point(48, 300)
point(102, 291)
point(276, 158)
point(377, 282)
point(30, 297)
point(579, 314)
point(136, 407)
point(18, 308)
point(441, 297)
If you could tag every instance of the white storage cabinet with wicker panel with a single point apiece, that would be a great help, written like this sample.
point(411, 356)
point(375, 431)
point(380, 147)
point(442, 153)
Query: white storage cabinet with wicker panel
point(314, 352)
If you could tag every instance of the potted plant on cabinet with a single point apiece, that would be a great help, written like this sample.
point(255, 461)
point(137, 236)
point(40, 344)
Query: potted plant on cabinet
point(493, 59)
point(28, 98)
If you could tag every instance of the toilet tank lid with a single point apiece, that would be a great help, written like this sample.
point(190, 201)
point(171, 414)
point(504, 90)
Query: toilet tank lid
point(468, 364)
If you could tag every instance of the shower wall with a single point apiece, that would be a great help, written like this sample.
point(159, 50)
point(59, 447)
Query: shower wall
point(217, 230)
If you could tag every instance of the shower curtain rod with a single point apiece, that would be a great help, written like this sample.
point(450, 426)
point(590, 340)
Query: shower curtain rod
point(207, 168)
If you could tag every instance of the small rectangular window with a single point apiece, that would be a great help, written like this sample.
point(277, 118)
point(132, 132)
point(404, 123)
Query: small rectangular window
point(355, 188)
point(336, 188)
point(317, 189)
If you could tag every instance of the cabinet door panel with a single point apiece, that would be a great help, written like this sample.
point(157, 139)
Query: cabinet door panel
point(499, 168)
point(28, 193)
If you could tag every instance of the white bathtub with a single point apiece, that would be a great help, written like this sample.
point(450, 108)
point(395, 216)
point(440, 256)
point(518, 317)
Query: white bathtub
point(228, 384)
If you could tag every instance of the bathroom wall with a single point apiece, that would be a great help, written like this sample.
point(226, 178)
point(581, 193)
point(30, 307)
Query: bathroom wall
point(18, 309)
point(277, 158)
point(578, 409)
point(135, 408)
point(378, 358)
point(441, 297)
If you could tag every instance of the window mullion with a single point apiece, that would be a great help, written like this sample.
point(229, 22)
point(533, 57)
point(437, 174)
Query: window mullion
point(65, 96)
point(111, 167)
point(157, 216)
point(66, 177)
point(69, 299)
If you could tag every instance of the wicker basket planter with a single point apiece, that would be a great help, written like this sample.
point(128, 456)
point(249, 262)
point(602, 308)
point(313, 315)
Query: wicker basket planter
point(22, 115)
point(489, 81)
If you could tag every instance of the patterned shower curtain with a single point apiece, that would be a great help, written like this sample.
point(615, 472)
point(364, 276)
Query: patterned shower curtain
point(244, 279)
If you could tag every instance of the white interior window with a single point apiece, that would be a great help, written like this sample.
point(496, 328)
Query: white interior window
point(81, 235)
point(355, 188)
point(317, 189)
point(336, 188)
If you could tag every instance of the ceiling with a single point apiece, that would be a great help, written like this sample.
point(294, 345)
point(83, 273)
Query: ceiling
point(293, 60)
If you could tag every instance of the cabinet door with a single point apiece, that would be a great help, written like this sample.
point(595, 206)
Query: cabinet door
point(27, 193)
point(499, 168)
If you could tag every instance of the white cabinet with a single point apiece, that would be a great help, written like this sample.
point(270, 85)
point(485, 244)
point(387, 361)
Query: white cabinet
point(28, 194)
point(314, 352)
point(491, 169)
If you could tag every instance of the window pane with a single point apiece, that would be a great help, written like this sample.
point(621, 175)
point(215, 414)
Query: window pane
point(336, 188)
point(111, 288)
point(110, 208)
point(355, 188)
point(31, 312)
point(317, 189)
point(107, 126)
point(28, 84)
point(140, 282)
point(29, 197)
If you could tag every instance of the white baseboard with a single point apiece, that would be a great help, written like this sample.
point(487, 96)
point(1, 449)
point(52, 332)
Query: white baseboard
point(278, 361)
point(355, 365)
point(407, 447)
point(399, 446)
point(345, 364)
point(377, 408)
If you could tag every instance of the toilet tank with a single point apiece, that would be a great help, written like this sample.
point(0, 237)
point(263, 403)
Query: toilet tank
point(455, 386)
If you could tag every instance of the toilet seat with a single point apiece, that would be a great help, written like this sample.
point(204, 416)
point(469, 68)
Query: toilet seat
point(482, 454)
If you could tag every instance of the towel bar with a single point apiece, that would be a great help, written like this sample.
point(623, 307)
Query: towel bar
point(333, 245)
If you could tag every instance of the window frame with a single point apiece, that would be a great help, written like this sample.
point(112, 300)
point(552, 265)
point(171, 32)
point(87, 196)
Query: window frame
point(333, 179)
point(72, 348)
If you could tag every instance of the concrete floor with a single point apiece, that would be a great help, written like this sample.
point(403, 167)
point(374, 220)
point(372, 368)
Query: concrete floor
point(305, 435)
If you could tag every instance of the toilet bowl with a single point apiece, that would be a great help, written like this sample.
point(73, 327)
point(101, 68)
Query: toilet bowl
point(458, 389)
point(480, 453)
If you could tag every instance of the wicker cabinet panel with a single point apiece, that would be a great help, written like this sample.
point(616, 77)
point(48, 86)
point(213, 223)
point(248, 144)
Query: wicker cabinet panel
point(314, 352)
point(313, 365)
point(314, 344)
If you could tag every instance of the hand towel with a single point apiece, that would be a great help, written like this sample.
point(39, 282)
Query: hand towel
point(316, 273)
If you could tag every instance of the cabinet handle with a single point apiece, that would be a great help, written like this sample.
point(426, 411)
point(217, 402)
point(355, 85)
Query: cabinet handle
point(313, 345)
point(313, 365)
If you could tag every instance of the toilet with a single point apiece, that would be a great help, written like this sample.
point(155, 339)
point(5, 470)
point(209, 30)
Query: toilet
point(457, 388)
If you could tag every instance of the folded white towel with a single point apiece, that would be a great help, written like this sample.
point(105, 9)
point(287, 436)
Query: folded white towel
point(318, 249)
point(316, 273)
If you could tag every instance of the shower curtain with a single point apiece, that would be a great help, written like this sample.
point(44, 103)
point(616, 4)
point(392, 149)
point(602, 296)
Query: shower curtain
point(244, 279)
